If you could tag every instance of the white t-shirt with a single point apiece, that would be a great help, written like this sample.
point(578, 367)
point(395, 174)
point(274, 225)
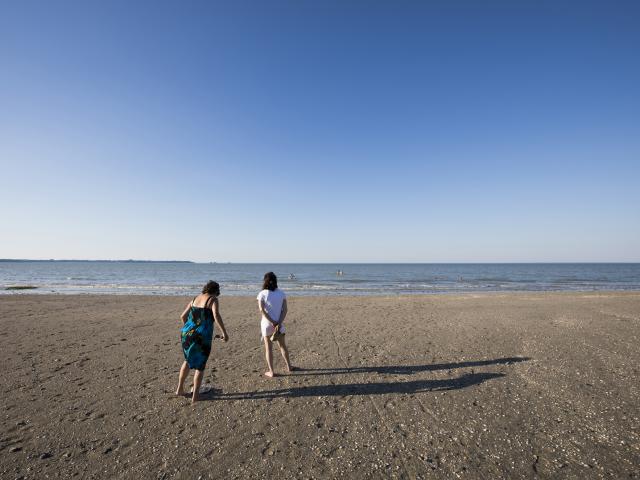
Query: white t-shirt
point(273, 301)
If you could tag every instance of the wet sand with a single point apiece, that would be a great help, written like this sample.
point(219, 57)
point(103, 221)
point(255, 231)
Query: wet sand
point(470, 386)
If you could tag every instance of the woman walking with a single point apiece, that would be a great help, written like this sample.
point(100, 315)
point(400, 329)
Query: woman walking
point(272, 303)
point(197, 333)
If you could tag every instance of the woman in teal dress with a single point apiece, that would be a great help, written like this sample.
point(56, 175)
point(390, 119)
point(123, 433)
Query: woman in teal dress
point(197, 334)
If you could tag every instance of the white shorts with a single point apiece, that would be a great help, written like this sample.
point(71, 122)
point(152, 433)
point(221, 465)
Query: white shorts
point(267, 328)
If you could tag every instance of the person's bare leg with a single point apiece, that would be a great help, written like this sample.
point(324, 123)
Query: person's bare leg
point(285, 353)
point(184, 371)
point(269, 356)
point(197, 381)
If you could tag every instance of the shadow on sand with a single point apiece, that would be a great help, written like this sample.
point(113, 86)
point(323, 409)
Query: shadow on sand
point(375, 388)
point(410, 369)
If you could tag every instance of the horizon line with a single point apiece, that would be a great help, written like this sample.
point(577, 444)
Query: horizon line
point(7, 260)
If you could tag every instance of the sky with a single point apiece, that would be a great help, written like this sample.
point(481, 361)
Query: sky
point(322, 131)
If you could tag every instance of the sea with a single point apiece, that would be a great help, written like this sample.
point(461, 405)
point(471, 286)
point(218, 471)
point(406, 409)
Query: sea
point(310, 279)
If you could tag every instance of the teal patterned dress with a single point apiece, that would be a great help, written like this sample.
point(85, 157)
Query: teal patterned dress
point(197, 334)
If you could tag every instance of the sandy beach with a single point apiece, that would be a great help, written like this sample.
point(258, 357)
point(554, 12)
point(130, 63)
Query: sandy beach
point(469, 386)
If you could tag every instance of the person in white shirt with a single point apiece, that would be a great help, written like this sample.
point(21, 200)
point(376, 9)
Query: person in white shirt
point(272, 303)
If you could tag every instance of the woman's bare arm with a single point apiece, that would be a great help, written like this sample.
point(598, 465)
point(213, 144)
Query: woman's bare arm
point(218, 319)
point(184, 315)
point(264, 312)
point(283, 313)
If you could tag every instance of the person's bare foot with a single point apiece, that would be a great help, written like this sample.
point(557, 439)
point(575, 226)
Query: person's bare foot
point(179, 393)
point(269, 374)
point(195, 398)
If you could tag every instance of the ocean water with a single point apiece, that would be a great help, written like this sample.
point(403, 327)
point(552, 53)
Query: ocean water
point(183, 278)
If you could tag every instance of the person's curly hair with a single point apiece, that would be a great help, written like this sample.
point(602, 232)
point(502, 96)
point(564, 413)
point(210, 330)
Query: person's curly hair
point(270, 281)
point(211, 288)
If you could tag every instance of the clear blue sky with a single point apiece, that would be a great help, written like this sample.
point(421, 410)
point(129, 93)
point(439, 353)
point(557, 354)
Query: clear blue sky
point(320, 131)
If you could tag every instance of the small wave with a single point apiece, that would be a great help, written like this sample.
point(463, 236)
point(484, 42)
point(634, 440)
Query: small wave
point(241, 286)
point(492, 279)
point(117, 286)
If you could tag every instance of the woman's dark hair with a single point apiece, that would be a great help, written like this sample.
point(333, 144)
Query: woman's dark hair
point(270, 281)
point(211, 288)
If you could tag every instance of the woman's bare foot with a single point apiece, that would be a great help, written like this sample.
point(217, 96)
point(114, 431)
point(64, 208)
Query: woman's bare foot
point(269, 374)
point(179, 393)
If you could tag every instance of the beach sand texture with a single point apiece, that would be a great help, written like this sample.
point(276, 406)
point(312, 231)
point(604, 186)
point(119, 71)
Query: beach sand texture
point(469, 386)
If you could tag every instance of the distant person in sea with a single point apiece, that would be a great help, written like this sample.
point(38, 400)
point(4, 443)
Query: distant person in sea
point(272, 303)
point(197, 334)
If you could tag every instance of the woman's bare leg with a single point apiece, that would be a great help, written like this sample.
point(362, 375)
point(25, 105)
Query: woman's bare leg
point(284, 352)
point(184, 371)
point(269, 356)
point(197, 381)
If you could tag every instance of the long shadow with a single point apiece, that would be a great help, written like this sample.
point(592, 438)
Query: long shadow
point(376, 388)
point(410, 369)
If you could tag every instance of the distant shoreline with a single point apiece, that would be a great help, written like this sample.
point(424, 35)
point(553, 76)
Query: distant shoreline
point(27, 260)
point(24, 260)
